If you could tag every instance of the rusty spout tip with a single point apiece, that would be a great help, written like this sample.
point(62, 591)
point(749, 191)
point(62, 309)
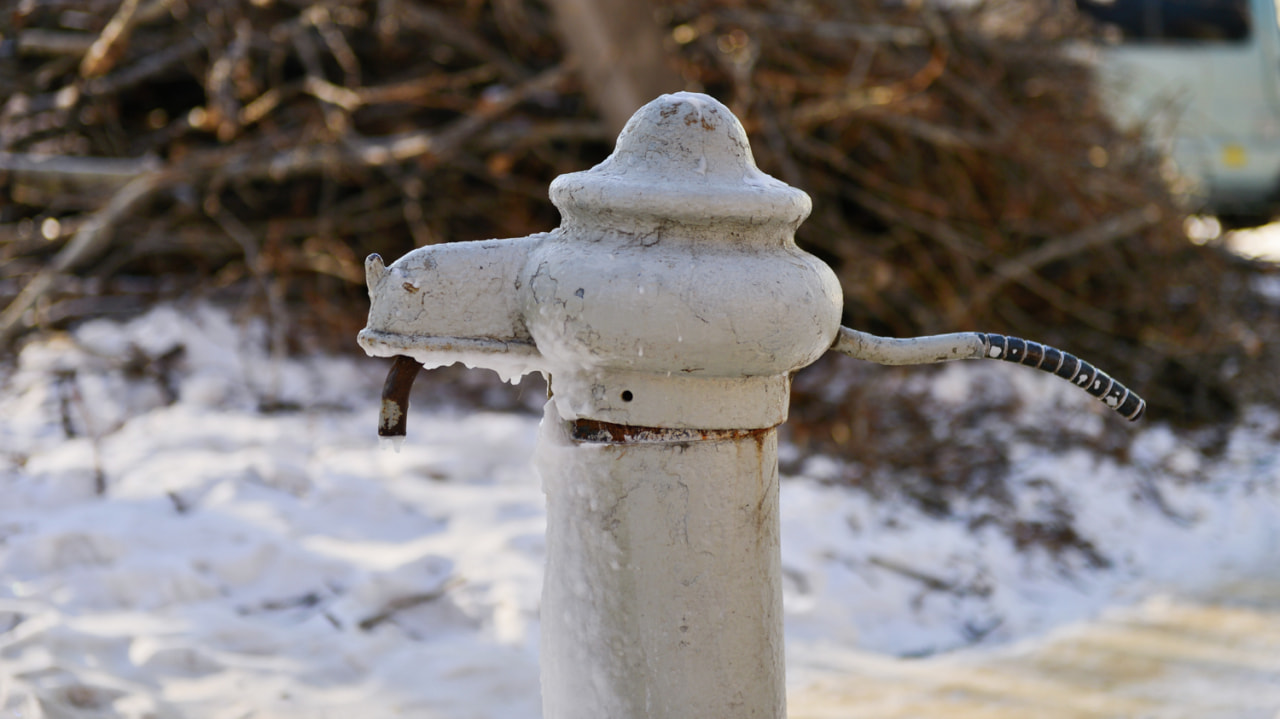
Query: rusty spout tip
point(393, 419)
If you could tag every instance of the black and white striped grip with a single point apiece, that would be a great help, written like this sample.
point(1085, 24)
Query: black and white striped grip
point(1067, 366)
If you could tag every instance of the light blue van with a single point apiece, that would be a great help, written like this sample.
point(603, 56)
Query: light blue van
point(1204, 77)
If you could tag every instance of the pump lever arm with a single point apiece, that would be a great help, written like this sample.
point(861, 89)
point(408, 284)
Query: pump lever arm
point(984, 345)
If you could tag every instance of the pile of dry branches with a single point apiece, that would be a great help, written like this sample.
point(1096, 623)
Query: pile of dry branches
point(963, 174)
point(265, 148)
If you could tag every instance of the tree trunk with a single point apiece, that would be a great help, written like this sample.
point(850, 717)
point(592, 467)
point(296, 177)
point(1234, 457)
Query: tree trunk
point(618, 46)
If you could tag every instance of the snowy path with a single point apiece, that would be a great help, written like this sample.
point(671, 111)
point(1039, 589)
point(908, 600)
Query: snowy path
point(245, 563)
point(1163, 659)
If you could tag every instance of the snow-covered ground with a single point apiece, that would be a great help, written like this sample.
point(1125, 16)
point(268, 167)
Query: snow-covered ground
point(254, 553)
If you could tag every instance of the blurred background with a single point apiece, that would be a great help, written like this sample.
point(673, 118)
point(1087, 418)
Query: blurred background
point(967, 169)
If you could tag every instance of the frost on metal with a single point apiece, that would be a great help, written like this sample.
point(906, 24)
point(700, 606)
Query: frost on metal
point(672, 294)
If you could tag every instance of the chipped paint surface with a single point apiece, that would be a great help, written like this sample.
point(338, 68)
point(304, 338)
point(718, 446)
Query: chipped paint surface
point(655, 273)
point(663, 574)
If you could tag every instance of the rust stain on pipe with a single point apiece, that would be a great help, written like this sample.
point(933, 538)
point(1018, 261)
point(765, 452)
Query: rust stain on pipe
point(394, 417)
point(591, 430)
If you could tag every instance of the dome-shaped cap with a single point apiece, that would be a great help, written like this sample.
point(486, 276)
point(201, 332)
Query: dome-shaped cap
point(683, 156)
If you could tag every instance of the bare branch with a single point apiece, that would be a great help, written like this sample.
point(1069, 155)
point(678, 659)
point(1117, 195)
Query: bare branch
point(53, 43)
point(1019, 268)
point(63, 170)
point(619, 50)
point(104, 52)
point(89, 241)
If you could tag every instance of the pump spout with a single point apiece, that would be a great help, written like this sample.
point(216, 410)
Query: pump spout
point(394, 417)
point(453, 302)
point(440, 304)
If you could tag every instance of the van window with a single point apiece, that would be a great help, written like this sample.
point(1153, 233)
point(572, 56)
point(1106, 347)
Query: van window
point(1178, 21)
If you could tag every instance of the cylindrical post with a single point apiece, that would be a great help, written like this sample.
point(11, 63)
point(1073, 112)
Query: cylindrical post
point(662, 596)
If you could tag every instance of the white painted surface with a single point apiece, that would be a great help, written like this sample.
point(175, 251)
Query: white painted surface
point(663, 596)
point(910, 350)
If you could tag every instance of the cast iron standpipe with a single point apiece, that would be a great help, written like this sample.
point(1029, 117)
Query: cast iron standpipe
point(668, 311)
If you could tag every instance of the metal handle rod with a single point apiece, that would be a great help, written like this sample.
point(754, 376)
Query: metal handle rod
point(984, 345)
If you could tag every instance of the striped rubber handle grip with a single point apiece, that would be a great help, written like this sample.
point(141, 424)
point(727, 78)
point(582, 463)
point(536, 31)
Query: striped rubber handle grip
point(1067, 366)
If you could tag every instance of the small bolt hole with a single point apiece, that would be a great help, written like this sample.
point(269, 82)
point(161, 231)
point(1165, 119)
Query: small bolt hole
point(626, 395)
